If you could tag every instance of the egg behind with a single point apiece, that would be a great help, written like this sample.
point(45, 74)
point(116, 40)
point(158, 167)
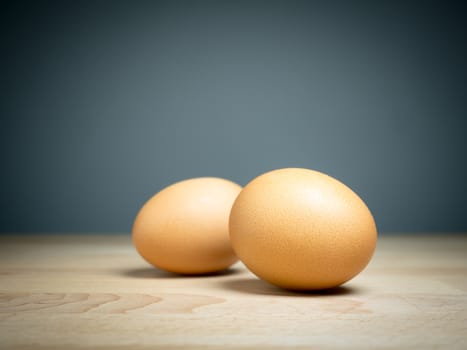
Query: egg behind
point(184, 227)
point(301, 229)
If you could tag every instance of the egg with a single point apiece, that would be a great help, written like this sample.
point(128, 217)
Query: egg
point(300, 229)
point(184, 228)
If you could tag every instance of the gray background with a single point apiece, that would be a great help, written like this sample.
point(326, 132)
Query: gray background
point(104, 103)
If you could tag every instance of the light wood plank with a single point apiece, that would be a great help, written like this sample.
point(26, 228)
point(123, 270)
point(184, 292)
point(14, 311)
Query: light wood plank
point(94, 291)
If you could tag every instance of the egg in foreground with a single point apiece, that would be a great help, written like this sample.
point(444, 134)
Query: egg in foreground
point(184, 227)
point(302, 230)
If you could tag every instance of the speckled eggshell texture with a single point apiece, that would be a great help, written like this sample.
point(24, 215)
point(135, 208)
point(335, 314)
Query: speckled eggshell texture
point(302, 230)
point(185, 227)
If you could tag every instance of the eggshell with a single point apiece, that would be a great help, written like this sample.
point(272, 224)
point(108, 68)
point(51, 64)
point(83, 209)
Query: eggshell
point(301, 229)
point(184, 227)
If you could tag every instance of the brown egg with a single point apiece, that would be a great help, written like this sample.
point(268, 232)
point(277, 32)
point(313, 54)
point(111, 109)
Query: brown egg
point(301, 229)
point(184, 227)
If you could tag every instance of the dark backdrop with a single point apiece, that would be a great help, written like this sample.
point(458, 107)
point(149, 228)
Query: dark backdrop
point(103, 103)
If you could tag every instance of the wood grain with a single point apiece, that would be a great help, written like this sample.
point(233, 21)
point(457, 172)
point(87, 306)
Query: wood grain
point(94, 291)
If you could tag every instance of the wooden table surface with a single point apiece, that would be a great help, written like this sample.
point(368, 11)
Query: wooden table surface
point(75, 292)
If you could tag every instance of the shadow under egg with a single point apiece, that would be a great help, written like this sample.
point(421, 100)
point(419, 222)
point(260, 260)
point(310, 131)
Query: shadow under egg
point(260, 287)
point(154, 272)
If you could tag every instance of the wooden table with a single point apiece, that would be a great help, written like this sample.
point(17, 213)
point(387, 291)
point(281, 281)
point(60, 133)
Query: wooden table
point(91, 291)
